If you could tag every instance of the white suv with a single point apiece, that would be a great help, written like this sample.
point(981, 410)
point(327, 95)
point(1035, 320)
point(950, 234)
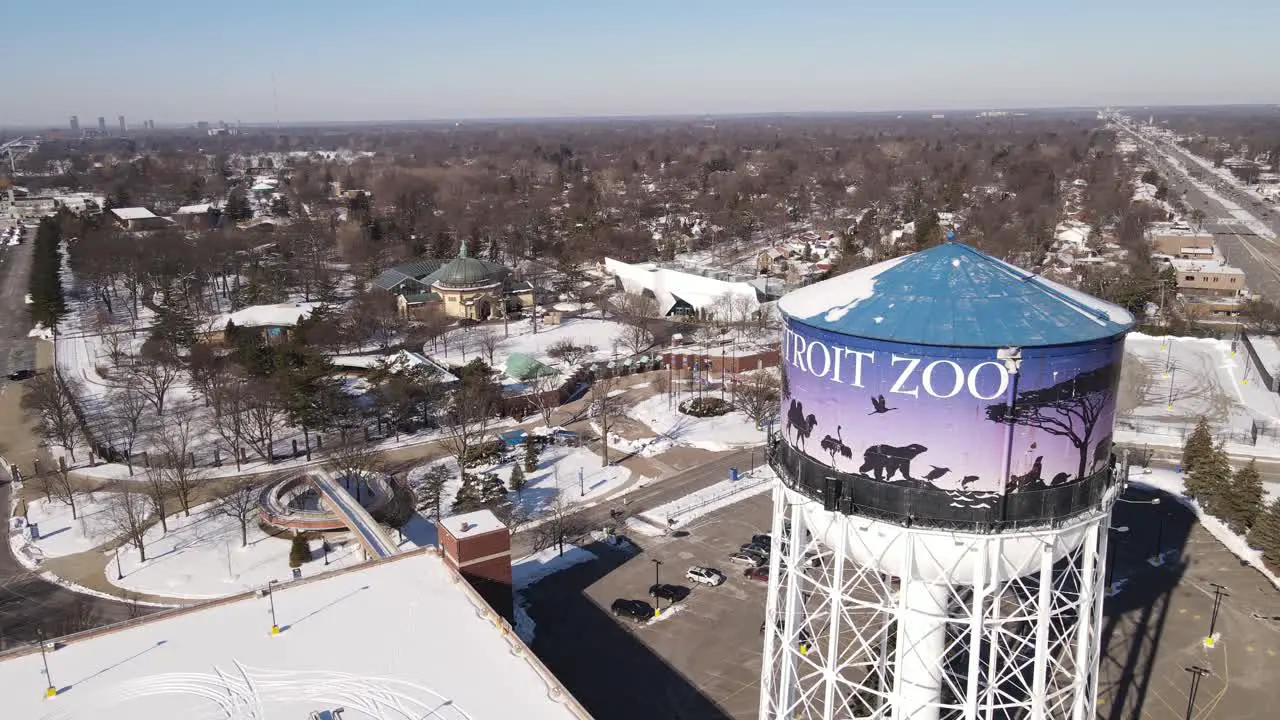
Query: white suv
point(705, 575)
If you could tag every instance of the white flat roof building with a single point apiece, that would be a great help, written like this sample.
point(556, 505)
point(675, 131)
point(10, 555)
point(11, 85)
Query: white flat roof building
point(133, 213)
point(404, 638)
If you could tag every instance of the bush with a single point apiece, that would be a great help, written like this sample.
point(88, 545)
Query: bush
point(705, 407)
point(299, 552)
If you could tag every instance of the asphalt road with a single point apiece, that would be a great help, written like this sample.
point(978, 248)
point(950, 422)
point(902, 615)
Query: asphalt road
point(29, 604)
point(1258, 257)
point(658, 493)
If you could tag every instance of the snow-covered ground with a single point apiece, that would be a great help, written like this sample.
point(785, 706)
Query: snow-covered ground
point(1168, 383)
point(559, 470)
point(201, 557)
point(1172, 482)
point(682, 511)
point(672, 428)
point(60, 534)
point(518, 337)
point(352, 640)
point(532, 568)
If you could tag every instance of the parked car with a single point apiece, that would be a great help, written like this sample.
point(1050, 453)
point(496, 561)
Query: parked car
point(705, 576)
point(670, 593)
point(755, 548)
point(637, 610)
point(757, 573)
point(22, 374)
point(762, 539)
point(742, 558)
point(757, 551)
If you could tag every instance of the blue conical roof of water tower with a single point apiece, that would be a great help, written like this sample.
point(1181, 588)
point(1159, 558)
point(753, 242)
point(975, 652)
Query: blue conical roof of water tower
point(956, 296)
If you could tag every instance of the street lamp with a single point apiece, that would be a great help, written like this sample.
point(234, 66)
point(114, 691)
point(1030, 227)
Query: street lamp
point(119, 573)
point(50, 689)
point(657, 601)
point(1197, 672)
point(271, 598)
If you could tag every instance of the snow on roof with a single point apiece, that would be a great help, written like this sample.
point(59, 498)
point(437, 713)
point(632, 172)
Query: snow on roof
point(403, 633)
point(194, 209)
point(279, 315)
point(954, 295)
point(670, 286)
point(471, 524)
point(1204, 266)
point(133, 213)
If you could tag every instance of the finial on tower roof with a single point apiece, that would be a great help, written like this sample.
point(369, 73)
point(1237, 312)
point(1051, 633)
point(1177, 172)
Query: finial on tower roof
point(462, 251)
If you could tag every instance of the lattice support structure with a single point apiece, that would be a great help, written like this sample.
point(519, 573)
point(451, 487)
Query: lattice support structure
point(866, 619)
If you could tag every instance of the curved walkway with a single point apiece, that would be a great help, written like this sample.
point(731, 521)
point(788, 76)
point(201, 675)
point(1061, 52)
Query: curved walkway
point(369, 532)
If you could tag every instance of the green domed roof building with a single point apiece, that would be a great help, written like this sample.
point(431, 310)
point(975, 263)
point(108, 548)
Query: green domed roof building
point(464, 287)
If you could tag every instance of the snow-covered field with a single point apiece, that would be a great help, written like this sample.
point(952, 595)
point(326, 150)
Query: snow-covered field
point(683, 511)
point(1168, 383)
point(672, 428)
point(351, 640)
point(60, 534)
point(559, 470)
point(1172, 482)
point(518, 337)
point(201, 557)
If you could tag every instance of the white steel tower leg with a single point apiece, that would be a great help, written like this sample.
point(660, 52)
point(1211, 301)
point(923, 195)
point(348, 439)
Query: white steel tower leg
point(922, 642)
point(834, 613)
point(977, 627)
point(1041, 667)
point(770, 683)
point(1086, 628)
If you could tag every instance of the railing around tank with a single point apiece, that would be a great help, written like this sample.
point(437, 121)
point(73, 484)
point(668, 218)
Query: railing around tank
point(896, 502)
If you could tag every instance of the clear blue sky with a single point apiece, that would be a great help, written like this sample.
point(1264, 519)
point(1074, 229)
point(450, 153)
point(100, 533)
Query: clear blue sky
point(424, 59)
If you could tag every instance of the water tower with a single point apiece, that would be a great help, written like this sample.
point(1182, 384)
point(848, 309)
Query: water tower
point(947, 480)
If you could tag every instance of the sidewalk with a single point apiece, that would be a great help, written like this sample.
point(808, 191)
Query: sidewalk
point(88, 570)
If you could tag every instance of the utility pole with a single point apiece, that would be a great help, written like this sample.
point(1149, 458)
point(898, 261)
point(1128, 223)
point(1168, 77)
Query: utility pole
point(1197, 672)
point(1219, 592)
point(657, 601)
point(50, 689)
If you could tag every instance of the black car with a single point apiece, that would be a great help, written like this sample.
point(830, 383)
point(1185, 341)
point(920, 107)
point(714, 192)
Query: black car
point(764, 540)
point(22, 374)
point(637, 610)
point(670, 593)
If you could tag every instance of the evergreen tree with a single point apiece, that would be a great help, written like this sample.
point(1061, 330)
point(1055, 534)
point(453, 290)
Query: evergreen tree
point(1199, 447)
point(1243, 501)
point(516, 483)
point(530, 455)
point(430, 493)
point(1212, 480)
point(478, 492)
point(1265, 534)
point(299, 552)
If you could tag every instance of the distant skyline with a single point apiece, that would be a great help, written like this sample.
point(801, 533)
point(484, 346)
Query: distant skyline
point(407, 60)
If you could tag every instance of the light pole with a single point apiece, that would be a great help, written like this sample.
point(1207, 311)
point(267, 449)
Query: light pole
point(1197, 672)
point(50, 689)
point(1219, 592)
point(271, 598)
point(657, 601)
point(119, 573)
point(1172, 372)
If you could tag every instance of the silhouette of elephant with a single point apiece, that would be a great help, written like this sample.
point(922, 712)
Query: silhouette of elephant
point(882, 461)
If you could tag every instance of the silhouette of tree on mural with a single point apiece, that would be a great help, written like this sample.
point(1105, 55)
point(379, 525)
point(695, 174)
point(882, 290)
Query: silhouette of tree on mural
point(1069, 409)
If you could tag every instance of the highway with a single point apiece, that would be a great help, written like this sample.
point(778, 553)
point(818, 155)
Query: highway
point(1257, 256)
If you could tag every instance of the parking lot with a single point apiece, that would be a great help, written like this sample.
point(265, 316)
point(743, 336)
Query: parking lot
point(700, 661)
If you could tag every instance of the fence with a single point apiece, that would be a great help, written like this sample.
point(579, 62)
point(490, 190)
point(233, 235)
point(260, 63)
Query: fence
point(1268, 378)
point(1258, 432)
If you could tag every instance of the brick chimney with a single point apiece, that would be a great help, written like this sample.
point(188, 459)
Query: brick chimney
point(478, 546)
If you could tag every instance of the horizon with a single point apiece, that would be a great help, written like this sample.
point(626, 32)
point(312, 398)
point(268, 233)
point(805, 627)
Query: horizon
point(501, 60)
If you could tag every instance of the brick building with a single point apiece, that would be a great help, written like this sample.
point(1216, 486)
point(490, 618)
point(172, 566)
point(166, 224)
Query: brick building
point(478, 546)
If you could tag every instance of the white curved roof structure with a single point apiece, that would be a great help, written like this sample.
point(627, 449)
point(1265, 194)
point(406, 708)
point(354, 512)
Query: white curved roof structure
point(671, 286)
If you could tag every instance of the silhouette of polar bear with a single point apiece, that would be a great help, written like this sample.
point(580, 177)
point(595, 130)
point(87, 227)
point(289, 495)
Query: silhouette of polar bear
point(885, 460)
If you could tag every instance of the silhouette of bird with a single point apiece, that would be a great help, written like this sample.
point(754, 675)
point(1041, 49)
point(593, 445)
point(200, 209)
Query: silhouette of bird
point(1060, 478)
point(936, 472)
point(967, 480)
point(880, 405)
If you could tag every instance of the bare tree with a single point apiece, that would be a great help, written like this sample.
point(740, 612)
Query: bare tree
point(240, 504)
point(58, 484)
point(544, 394)
point(468, 419)
point(126, 406)
point(757, 394)
point(636, 338)
point(263, 415)
point(50, 398)
point(155, 376)
point(156, 492)
point(633, 308)
point(605, 408)
point(175, 442)
point(352, 458)
point(126, 513)
point(569, 351)
point(112, 339)
point(229, 418)
point(559, 525)
point(487, 342)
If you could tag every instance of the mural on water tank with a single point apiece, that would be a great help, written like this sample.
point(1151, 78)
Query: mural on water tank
point(946, 418)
